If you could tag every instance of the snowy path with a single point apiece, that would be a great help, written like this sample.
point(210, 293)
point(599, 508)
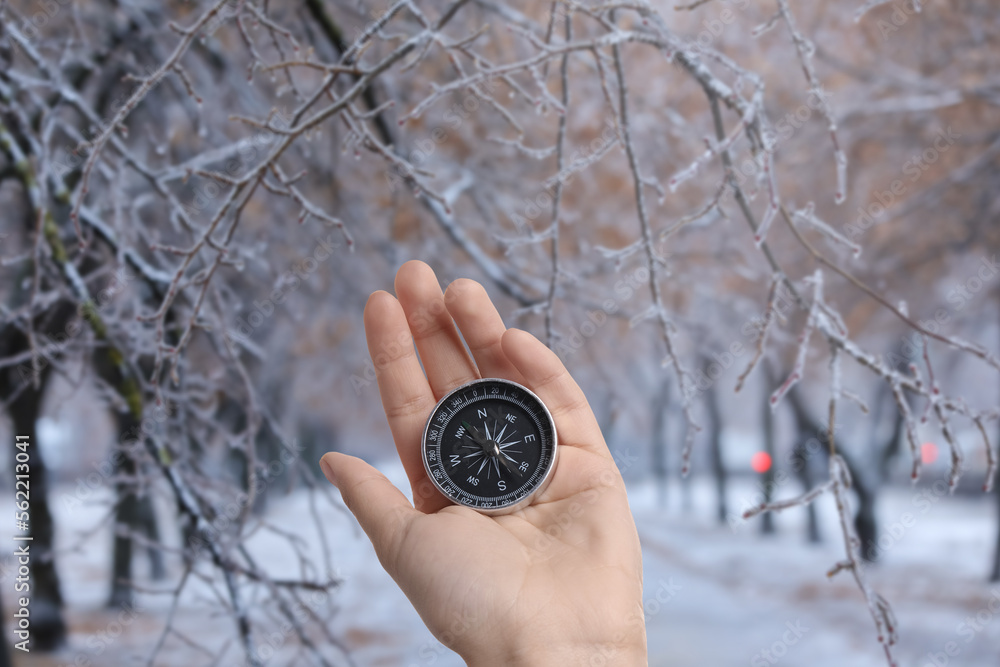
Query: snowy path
point(735, 594)
point(741, 595)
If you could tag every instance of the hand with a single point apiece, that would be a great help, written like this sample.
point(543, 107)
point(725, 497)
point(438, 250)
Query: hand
point(557, 583)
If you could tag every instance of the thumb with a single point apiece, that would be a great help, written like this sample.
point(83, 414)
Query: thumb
point(382, 510)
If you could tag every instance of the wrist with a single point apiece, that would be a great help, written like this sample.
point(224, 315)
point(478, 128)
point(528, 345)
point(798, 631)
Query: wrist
point(622, 652)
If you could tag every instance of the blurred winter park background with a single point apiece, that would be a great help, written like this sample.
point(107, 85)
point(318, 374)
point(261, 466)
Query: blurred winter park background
point(762, 235)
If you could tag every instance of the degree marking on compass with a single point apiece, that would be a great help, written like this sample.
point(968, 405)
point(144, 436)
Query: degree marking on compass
point(543, 436)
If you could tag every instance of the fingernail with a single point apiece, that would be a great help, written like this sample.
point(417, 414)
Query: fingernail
point(328, 472)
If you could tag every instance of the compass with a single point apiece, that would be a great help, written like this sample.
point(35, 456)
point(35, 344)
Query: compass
point(490, 445)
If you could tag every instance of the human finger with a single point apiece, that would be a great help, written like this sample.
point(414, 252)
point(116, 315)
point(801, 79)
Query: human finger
point(381, 509)
point(482, 328)
point(546, 375)
point(445, 360)
point(406, 395)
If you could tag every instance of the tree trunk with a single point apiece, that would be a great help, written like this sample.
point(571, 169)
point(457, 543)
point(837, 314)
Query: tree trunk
point(48, 630)
point(995, 574)
point(125, 504)
point(133, 513)
point(47, 624)
point(865, 523)
point(4, 648)
point(715, 448)
point(803, 470)
point(767, 416)
point(659, 441)
point(687, 500)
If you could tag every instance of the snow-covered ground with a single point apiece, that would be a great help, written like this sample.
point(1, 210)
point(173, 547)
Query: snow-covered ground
point(734, 595)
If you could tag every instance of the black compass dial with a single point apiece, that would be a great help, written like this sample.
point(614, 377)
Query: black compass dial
point(490, 445)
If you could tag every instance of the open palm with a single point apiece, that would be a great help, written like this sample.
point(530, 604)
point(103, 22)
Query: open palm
point(554, 583)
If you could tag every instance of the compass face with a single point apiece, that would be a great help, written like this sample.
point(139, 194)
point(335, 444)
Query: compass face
point(490, 445)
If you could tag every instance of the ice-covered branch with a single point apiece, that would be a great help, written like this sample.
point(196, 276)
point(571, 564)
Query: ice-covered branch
point(666, 326)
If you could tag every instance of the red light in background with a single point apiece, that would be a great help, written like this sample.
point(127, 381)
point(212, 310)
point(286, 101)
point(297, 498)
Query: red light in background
point(760, 462)
point(928, 453)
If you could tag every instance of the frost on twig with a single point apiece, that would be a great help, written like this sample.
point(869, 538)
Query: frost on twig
point(806, 52)
point(666, 326)
point(770, 314)
point(807, 216)
point(813, 320)
point(798, 501)
point(879, 608)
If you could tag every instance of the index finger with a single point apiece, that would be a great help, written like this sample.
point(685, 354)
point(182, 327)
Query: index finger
point(406, 395)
